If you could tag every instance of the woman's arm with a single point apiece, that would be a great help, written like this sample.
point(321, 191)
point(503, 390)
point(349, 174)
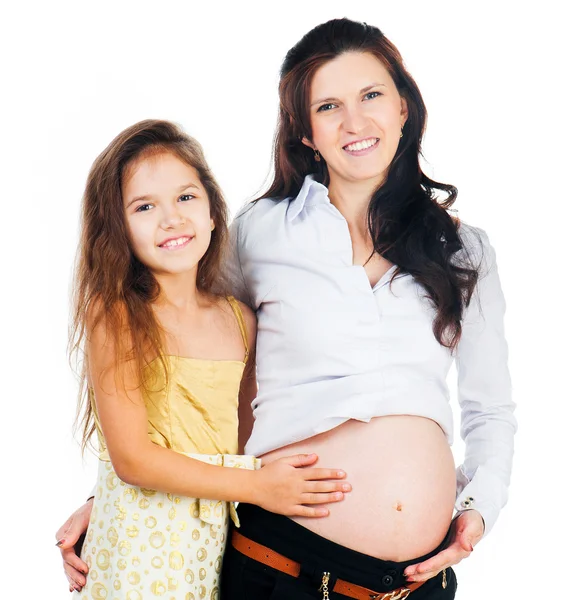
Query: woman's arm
point(249, 385)
point(487, 421)
point(484, 389)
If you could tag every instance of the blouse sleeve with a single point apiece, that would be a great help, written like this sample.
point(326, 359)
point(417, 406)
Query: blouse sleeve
point(484, 390)
point(233, 264)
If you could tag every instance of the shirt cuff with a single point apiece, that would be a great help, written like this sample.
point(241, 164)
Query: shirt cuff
point(479, 494)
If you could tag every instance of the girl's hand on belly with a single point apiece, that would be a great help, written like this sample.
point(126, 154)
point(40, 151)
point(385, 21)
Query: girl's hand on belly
point(286, 487)
point(466, 530)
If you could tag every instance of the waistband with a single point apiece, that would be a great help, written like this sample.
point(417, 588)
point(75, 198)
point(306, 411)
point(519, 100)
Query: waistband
point(316, 554)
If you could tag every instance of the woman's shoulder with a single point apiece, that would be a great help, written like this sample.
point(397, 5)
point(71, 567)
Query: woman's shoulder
point(256, 210)
point(475, 246)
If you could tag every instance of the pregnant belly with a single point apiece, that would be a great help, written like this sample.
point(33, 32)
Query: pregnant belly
point(403, 485)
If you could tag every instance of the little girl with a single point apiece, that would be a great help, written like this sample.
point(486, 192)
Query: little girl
point(165, 357)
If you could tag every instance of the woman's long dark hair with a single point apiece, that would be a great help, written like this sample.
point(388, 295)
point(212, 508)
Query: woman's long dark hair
point(409, 224)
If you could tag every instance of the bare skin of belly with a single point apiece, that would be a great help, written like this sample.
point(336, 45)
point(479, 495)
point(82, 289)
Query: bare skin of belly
point(403, 485)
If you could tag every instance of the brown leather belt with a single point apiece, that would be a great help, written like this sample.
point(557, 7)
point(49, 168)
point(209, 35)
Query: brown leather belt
point(271, 558)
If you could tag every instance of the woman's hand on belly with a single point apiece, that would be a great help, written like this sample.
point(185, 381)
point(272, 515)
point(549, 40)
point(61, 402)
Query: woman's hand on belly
point(466, 530)
point(287, 487)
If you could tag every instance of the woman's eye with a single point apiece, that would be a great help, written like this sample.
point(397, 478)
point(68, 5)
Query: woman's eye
point(325, 107)
point(372, 95)
point(144, 208)
point(186, 197)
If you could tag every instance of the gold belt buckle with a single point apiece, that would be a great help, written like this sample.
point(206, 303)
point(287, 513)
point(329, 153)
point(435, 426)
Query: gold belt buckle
point(401, 594)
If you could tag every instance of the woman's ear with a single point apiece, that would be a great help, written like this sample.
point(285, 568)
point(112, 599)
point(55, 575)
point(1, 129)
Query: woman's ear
point(404, 111)
point(308, 143)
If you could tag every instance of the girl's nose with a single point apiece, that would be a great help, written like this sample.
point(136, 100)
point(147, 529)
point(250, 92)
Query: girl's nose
point(173, 218)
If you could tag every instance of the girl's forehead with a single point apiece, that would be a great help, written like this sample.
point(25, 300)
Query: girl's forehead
point(159, 170)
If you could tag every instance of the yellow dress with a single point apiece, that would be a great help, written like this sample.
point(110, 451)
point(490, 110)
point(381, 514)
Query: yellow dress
point(147, 544)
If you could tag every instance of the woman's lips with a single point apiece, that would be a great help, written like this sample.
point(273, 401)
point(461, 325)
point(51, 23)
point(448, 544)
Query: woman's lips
point(362, 147)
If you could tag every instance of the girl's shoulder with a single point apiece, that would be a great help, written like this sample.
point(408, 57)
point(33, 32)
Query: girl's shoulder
point(246, 318)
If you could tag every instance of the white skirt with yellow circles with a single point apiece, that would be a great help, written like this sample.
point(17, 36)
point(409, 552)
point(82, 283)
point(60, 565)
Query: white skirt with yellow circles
point(146, 544)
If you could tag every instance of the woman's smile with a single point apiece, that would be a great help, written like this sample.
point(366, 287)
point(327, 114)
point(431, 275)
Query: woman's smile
point(362, 147)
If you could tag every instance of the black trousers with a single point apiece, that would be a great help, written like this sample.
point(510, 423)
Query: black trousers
point(247, 579)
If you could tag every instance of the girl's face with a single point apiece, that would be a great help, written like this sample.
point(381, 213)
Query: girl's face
point(168, 213)
point(356, 115)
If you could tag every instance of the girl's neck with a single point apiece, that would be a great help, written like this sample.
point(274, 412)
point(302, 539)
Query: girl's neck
point(179, 290)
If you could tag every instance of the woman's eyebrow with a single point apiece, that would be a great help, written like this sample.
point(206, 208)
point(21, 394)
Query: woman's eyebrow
point(362, 91)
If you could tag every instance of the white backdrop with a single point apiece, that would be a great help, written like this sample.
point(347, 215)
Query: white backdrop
point(496, 78)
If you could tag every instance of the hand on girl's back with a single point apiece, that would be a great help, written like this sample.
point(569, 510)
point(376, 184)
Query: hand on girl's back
point(287, 487)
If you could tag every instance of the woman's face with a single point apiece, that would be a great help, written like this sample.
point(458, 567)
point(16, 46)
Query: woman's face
point(356, 115)
point(167, 211)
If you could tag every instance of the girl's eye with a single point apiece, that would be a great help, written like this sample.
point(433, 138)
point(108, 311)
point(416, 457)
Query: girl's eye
point(144, 208)
point(186, 197)
point(372, 95)
point(325, 107)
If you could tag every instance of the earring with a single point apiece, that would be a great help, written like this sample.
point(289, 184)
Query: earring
point(317, 156)
point(401, 132)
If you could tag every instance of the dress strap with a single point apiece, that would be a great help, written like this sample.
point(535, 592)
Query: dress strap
point(241, 322)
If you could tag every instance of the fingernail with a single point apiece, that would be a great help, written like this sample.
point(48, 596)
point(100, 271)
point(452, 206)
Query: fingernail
point(346, 487)
point(60, 542)
point(340, 473)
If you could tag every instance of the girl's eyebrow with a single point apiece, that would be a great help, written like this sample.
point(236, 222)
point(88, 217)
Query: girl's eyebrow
point(365, 89)
point(149, 196)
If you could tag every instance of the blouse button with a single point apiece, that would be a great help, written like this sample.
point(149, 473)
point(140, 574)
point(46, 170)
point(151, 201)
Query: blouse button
point(467, 502)
point(387, 580)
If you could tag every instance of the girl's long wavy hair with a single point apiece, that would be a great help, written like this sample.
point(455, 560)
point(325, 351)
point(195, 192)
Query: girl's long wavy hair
point(111, 285)
point(409, 223)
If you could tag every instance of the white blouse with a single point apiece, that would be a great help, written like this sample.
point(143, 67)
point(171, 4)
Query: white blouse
point(332, 348)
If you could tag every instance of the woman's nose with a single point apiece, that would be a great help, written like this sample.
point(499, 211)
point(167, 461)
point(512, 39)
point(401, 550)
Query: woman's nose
point(354, 120)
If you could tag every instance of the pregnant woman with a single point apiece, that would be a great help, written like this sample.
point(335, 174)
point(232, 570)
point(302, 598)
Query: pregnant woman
point(366, 289)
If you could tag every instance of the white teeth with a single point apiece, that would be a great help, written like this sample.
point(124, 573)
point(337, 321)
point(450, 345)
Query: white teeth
point(357, 146)
point(178, 242)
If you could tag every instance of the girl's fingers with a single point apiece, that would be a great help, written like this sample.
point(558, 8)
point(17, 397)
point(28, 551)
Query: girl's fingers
point(310, 511)
point(310, 498)
point(315, 474)
point(327, 486)
point(299, 460)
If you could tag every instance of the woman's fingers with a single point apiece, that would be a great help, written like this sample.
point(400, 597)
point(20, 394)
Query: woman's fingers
point(429, 568)
point(75, 579)
point(74, 565)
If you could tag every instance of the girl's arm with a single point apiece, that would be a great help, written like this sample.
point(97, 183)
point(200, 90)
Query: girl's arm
point(283, 487)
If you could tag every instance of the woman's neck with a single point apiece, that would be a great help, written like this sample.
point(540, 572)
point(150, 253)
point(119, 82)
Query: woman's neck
point(352, 199)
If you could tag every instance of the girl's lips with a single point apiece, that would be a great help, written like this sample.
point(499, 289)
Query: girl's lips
point(176, 243)
point(364, 151)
